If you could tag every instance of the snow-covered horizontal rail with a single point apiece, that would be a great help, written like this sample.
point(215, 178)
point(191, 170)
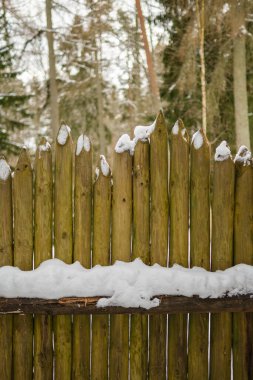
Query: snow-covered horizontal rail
point(88, 305)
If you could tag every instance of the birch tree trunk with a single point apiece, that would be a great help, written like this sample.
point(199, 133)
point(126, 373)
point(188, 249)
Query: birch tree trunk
point(54, 108)
point(239, 73)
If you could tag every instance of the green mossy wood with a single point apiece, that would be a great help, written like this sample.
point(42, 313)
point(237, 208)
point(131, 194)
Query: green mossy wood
point(121, 250)
point(43, 208)
point(23, 258)
point(82, 253)
point(101, 256)
point(200, 252)
point(222, 258)
point(243, 253)
point(141, 249)
point(159, 238)
point(6, 258)
point(178, 253)
point(63, 241)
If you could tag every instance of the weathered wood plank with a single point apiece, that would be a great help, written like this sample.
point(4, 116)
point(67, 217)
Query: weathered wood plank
point(243, 253)
point(87, 305)
point(200, 249)
point(43, 208)
point(101, 256)
point(82, 251)
point(23, 258)
point(6, 258)
point(141, 249)
point(121, 250)
point(159, 238)
point(222, 258)
point(63, 241)
point(178, 252)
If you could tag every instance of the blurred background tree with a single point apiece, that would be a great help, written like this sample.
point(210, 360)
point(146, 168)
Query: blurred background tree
point(93, 63)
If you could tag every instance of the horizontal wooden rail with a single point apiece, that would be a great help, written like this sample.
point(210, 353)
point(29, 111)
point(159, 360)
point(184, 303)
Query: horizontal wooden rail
point(87, 305)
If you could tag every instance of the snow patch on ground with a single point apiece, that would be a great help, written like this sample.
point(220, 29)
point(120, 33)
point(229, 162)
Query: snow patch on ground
point(126, 284)
point(83, 142)
point(222, 152)
point(243, 156)
point(5, 169)
point(197, 140)
point(63, 134)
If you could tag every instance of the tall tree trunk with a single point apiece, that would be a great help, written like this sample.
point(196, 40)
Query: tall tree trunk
point(98, 75)
point(201, 27)
point(151, 71)
point(239, 74)
point(52, 72)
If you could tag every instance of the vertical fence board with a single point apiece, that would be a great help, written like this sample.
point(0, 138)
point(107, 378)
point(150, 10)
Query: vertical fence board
point(179, 224)
point(243, 253)
point(101, 256)
point(200, 250)
point(141, 229)
point(82, 253)
point(63, 244)
point(43, 204)
point(23, 258)
point(121, 250)
point(159, 238)
point(222, 258)
point(6, 258)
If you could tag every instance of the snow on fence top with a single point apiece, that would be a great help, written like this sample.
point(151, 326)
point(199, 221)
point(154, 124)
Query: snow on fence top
point(5, 169)
point(222, 152)
point(127, 284)
point(63, 134)
point(243, 156)
point(83, 142)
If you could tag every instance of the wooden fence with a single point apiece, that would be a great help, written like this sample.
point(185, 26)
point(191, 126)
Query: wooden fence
point(142, 214)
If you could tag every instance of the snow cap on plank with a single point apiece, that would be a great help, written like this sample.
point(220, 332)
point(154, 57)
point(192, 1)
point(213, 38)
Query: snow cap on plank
point(5, 170)
point(222, 152)
point(83, 143)
point(63, 134)
point(243, 156)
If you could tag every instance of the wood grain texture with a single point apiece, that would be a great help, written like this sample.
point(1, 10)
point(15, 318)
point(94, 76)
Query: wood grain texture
point(43, 208)
point(159, 238)
point(23, 258)
point(121, 250)
point(199, 253)
point(82, 253)
point(141, 249)
point(222, 258)
point(243, 253)
point(6, 258)
point(87, 305)
point(101, 256)
point(63, 241)
point(178, 253)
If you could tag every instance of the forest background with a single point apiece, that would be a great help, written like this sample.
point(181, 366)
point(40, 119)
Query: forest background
point(105, 66)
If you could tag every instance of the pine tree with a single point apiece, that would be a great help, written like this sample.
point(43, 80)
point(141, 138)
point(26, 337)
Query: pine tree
point(13, 100)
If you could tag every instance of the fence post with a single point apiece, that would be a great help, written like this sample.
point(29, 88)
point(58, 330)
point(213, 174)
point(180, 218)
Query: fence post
point(23, 258)
point(63, 243)
point(141, 227)
point(101, 256)
point(200, 249)
point(43, 204)
point(159, 238)
point(121, 250)
point(6, 258)
point(178, 253)
point(243, 253)
point(222, 258)
point(82, 250)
